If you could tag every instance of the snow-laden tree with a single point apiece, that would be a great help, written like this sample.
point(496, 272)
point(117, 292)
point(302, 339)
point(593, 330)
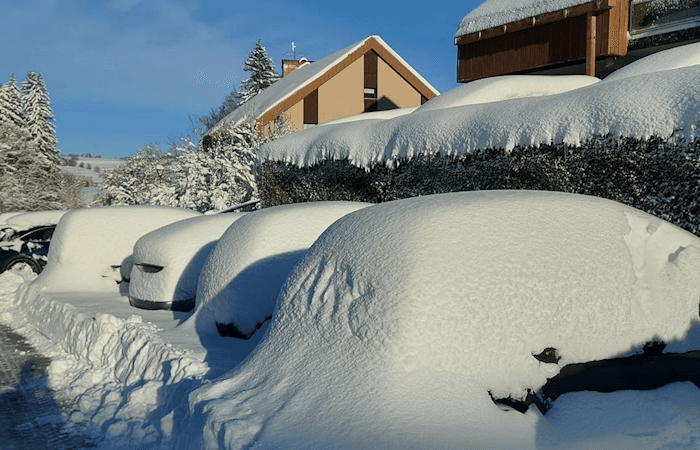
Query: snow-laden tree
point(11, 104)
point(25, 183)
point(204, 179)
point(262, 73)
point(221, 175)
point(39, 116)
point(144, 179)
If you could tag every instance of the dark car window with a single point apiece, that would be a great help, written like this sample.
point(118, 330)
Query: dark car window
point(39, 235)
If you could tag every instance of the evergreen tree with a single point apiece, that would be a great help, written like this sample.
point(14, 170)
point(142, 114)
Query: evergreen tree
point(11, 104)
point(262, 70)
point(39, 116)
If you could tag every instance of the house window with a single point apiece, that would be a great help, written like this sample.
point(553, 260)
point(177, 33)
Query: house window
point(370, 91)
point(311, 108)
point(648, 17)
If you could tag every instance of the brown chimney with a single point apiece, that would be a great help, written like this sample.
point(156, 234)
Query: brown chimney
point(290, 65)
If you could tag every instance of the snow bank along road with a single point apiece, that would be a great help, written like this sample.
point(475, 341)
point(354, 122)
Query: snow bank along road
point(30, 418)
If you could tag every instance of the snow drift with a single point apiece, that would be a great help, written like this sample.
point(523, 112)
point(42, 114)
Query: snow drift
point(89, 245)
point(240, 281)
point(507, 87)
point(403, 317)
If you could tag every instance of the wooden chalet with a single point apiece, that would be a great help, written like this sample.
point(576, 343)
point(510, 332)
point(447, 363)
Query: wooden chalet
point(569, 36)
point(366, 76)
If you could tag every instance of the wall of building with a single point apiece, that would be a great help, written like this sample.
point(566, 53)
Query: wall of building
point(394, 88)
point(295, 116)
point(342, 95)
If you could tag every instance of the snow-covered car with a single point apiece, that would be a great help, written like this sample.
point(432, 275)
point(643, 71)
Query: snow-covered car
point(405, 322)
point(239, 283)
point(25, 239)
point(167, 261)
point(90, 245)
point(25, 249)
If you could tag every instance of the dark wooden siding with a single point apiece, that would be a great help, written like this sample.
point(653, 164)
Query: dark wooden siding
point(553, 43)
point(311, 108)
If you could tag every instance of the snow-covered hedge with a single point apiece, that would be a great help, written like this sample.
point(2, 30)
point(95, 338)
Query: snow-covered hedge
point(659, 176)
point(632, 137)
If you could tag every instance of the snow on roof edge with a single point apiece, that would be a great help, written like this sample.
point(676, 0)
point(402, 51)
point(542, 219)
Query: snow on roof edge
point(495, 13)
point(240, 114)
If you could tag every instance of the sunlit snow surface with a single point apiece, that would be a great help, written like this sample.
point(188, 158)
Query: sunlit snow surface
point(638, 102)
point(181, 249)
point(90, 244)
point(403, 316)
point(242, 278)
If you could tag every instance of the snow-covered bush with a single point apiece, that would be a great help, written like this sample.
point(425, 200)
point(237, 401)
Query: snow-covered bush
point(214, 175)
point(89, 245)
point(403, 317)
point(659, 176)
point(239, 283)
point(633, 137)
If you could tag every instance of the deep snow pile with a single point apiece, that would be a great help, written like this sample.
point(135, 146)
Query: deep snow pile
point(506, 87)
point(403, 317)
point(674, 58)
point(181, 249)
point(89, 245)
point(494, 13)
point(240, 282)
point(651, 104)
point(375, 115)
point(114, 378)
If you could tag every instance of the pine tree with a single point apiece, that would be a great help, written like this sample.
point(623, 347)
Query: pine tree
point(11, 104)
point(262, 70)
point(39, 116)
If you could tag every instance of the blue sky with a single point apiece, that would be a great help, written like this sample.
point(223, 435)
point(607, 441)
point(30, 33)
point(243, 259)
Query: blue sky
point(125, 73)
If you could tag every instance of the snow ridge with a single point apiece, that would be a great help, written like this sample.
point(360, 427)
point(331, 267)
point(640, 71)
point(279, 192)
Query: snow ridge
point(115, 375)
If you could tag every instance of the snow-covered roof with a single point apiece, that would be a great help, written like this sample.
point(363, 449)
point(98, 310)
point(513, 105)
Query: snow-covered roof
point(25, 221)
point(403, 317)
point(494, 13)
point(298, 79)
point(650, 103)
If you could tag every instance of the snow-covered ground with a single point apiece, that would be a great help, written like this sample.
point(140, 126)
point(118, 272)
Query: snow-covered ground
point(392, 331)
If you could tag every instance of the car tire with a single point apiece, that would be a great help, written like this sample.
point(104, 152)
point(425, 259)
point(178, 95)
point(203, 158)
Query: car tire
point(22, 261)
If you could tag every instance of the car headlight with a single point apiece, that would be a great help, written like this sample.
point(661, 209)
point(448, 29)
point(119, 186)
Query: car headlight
point(149, 268)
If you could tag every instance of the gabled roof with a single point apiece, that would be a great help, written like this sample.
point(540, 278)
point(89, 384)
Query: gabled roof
point(271, 102)
point(495, 13)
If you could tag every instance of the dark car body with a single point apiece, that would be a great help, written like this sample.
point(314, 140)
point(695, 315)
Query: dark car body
point(25, 248)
